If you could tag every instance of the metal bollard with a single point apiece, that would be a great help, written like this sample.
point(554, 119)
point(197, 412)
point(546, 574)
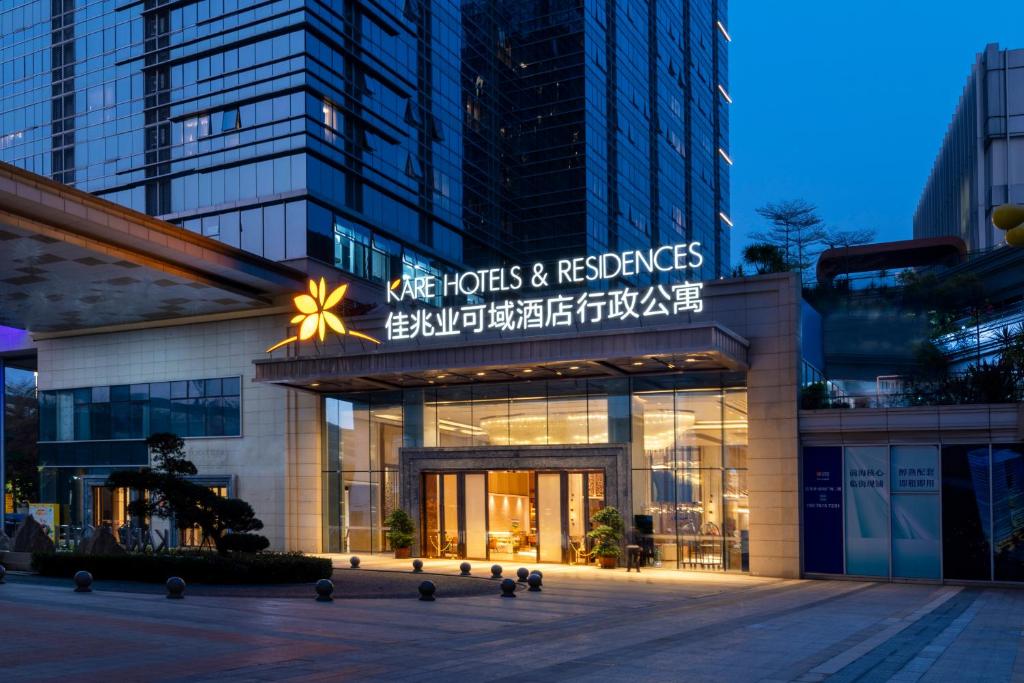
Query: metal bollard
point(522, 573)
point(324, 589)
point(417, 566)
point(464, 569)
point(508, 588)
point(495, 571)
point(175, 588)
point(354, 561)
point(427, 590)
point(83, 582)
point(534, 581)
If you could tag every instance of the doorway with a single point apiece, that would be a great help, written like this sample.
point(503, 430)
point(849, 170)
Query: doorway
point(510, 515)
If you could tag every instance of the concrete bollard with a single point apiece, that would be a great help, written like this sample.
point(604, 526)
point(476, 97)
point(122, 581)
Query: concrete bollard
point(427, 590)
point(417, 566)
point(495, 571)
point(175, 588)
point(464, 569)
point(522, 573)
point(324, 590)
point(354, 561)
point(508, 588)
point(83, 582)
point(534, 581)
point(540, 574)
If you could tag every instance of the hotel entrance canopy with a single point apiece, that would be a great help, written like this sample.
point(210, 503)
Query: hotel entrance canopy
point(71, 261)
point(607, 352)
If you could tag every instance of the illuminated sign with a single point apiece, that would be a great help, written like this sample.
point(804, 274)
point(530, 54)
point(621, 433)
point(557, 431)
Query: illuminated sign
point(315, 315)
point(551, 311)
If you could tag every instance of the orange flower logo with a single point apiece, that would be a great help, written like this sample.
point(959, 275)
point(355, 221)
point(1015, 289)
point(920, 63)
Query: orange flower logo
point(315, 315)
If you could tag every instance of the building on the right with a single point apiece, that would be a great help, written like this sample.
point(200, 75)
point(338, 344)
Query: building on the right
point(981, 162)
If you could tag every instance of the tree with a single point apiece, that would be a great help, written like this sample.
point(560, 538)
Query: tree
point(796, 229)
point(225, 521)
point(766, 258)
point(839, 239)
point(21, 436)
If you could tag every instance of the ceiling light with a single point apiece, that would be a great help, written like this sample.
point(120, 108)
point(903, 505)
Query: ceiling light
point(691, 360)
point(481, 374)
point(441, 376)
point(638, 362)
point(574, 367)
point(315, 384)
point(528, 370)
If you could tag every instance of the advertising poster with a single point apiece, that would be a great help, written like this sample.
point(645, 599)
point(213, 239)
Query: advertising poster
point(46, 515)
point(915, 512)
point(823, 509)
point(866, 479)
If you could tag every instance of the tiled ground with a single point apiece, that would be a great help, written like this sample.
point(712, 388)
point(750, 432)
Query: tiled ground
point(585, 625)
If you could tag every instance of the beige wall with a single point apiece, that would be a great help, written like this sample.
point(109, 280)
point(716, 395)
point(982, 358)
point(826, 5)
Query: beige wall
point(766, 310)
point(276, 461)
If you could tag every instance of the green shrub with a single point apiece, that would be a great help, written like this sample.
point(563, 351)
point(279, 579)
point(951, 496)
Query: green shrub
point(193, 567)
point(606, 532)
point(400, 528)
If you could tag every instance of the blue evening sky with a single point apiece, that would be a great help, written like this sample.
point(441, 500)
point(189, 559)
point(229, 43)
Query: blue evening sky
point(845, 103)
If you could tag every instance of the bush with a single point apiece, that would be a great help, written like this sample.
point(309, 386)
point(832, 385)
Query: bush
point(194, 567)
point(606, 532)
point(244, 543)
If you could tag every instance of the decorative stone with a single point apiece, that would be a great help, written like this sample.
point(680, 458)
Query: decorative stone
point(534, 581)
point(83, 582)
point(354, 561)
point(30, 537)
point(508, 588)
point(3, 573)
point(495, 571)
point(427, 590)
point(417, 566)
point(324, 589)
point(101, 542)
point(522, 573)
point(464, 569)
point(175, 588)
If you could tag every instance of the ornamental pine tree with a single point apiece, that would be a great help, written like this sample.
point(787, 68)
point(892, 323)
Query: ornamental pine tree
point(227, 522)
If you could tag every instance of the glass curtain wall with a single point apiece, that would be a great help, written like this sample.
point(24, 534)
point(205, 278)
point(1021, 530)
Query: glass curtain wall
point(689, 472)
point(363, 436)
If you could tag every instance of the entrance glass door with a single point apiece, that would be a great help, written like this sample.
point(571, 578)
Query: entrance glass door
point(549, 507)
point(510, 515)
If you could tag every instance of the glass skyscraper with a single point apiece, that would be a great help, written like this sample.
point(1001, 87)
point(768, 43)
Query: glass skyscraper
point(386, 137)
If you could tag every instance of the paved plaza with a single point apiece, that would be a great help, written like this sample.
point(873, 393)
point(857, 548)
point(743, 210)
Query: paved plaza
point(584, 625)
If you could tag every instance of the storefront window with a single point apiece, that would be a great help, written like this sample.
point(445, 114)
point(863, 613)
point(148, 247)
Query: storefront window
point(363, 438)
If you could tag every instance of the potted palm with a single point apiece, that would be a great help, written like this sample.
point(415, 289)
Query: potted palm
point(607, 536)
point(400, 531)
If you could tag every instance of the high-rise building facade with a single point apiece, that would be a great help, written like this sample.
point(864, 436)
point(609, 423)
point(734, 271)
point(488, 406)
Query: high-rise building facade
point(981, 162)
point(398, 137)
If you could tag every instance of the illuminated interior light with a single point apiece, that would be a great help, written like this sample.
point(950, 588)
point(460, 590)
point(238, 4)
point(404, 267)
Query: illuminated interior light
point(528, 370)
point(725, 218)
point(724, 32)
point(574, 367)
point(480, 374)
point(639, 362)
point(724, 93)
point(725, 156)
point(315, 384)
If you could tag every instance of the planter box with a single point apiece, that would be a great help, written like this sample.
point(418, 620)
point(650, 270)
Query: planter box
point(19, 562)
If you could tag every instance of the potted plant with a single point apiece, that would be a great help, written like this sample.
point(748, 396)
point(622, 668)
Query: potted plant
point(607, 536)
point(400, 531)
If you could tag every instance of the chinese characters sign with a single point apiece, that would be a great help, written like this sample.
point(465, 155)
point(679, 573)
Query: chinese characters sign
point(552, 311)
point(823, 509)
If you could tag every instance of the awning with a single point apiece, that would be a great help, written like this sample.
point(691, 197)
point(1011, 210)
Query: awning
point(583, 354)
point(72, 261)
